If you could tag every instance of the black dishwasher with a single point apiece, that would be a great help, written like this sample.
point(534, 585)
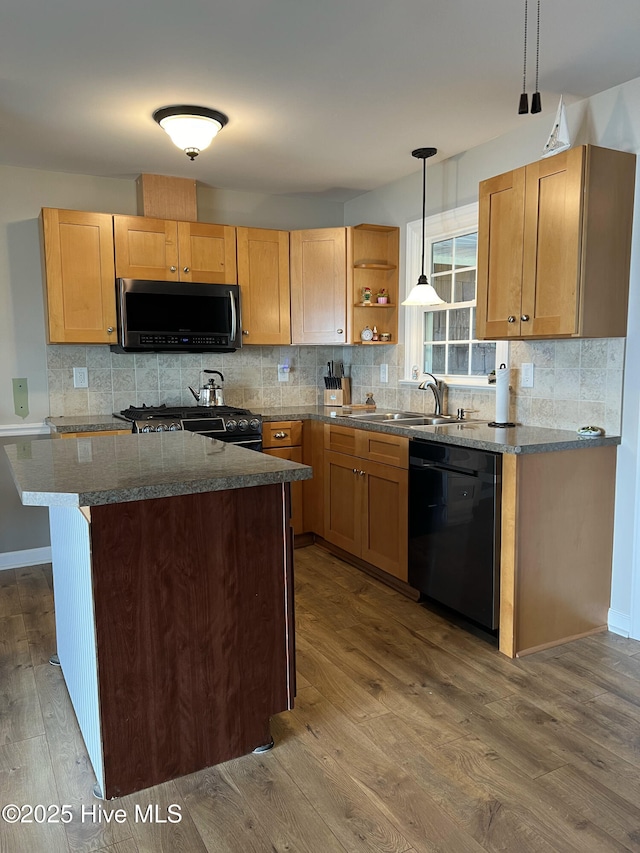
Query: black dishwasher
point(454, 528)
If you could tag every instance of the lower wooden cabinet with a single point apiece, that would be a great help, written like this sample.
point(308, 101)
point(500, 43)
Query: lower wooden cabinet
point(284, 440)
point(91, 434)
point(365, 501)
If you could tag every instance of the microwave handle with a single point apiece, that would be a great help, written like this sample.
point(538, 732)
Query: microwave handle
point(234, 324)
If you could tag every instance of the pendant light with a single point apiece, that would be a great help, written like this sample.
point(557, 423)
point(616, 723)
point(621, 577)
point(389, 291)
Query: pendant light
point(190, 128)
point(423, 293)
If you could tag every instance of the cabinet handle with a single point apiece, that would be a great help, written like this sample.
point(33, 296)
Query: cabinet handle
point(172, 269)
point(355, 470)
point(524, 318)
point(279, 435)
point(186, 269)
point(511, 319)
point(110, 330)
point(362, 473)
point(339, 331)
point(245, 331)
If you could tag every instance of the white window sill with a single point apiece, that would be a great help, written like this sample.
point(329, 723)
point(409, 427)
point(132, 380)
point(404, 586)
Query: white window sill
point(454, 382)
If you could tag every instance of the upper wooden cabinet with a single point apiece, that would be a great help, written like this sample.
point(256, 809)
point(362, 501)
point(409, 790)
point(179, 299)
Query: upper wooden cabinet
point(330, 269)
point(318, 286)
point(263, 276)
point(372, 262)
point(554, 246)
point(79, 276)
point(164, 250)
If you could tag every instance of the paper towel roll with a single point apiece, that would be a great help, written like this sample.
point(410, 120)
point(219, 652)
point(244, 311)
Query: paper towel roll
point(502, 395)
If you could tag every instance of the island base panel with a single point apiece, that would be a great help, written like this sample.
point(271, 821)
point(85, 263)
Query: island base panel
point(194, 630)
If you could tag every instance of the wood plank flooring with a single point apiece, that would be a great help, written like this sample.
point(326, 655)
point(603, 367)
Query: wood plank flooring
point(409, 735)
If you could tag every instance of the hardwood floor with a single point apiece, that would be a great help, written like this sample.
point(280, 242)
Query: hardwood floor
point(408, 735)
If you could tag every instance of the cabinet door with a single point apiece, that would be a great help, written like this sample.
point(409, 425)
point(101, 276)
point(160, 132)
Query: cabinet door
point(79, 276)
point(263, 276)
point(500, 252)
point(318, 286)
point(553, 227)
point(343, 501)
point(207, 253)
point(385, 514)
point(293, 454)
point(146, 248)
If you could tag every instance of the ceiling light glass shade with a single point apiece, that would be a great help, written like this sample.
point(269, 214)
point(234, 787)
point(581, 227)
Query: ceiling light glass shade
point(190, 128)
point(423, 293)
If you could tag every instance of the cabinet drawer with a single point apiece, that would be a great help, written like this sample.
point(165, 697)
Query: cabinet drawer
point(340, 439)
point(383, 447)
point(282, 434)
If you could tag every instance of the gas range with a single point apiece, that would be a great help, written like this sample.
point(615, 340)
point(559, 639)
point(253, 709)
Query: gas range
point(226, 423)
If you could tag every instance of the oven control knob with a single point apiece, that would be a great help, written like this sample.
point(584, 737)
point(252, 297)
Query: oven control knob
point(161, 428)
point(243, 424)
point(254, 424)
point(231, 426)
point(174, 426)
point(147, 428)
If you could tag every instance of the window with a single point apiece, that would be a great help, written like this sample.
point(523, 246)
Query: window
point(441, 339)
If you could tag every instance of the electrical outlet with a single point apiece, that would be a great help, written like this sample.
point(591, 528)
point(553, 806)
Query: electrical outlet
point(283, 372)
point(526, 375)
point(384, 373)
point(80, 377)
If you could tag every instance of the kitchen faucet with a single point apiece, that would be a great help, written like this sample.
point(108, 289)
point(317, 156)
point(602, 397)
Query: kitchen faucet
point(437, 393)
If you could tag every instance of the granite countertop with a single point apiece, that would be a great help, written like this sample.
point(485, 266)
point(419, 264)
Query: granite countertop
point(119, 468)
point(470, 433)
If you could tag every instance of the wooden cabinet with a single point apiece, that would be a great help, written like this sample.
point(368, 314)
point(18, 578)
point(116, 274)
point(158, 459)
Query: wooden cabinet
point(330, 267)
point(78, 276)
point(556, 549)
point(164, 250)
point(372, 262)
point(263, 276)
point(366, 501)
point(91, 433)
point(554, 243)
point(318, 286)
point(284, 440)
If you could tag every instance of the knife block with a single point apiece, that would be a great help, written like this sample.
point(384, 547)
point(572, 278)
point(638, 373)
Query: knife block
point(338, 396)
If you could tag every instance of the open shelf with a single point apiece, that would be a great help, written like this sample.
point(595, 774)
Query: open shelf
point(374, 305)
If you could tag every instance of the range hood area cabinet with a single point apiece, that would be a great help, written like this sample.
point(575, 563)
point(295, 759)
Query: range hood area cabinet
point(79, 276)
point(164, 250)
point(330, 269)
point(554, 247)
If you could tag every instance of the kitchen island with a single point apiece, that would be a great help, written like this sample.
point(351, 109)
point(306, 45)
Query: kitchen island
point(172, 570)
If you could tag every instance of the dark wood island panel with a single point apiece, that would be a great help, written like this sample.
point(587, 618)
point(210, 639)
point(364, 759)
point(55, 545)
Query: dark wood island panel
point(193, 609)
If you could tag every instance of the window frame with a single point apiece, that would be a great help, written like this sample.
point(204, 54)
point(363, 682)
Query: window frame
point(441, 226)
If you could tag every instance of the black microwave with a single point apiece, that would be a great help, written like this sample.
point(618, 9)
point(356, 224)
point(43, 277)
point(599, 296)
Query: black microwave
point(167, 316)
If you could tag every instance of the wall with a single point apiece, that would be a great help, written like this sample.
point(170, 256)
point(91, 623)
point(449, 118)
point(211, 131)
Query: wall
point(610, 119)
point(23, 351)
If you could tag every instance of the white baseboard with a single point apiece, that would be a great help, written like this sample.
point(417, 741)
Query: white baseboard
point(29, 557)
point(36, 428)
point(619, 623)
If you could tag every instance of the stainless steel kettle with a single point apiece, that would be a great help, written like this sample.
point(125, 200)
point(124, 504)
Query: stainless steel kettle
point(211, 393)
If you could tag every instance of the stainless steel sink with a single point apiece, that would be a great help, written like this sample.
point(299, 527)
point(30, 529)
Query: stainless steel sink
point(405, 418)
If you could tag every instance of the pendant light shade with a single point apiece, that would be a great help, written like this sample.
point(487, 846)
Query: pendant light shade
point(423, 293)
point(190, 128)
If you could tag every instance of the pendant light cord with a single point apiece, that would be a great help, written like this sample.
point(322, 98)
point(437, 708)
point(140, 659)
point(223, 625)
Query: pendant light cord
point(424, 198)
point(537, 47)
point(524, 69)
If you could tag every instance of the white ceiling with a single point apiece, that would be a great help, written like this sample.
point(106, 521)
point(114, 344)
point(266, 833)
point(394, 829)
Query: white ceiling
point(325, 98)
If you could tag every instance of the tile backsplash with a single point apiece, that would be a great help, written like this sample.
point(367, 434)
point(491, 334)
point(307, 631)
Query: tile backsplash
point(576, 382)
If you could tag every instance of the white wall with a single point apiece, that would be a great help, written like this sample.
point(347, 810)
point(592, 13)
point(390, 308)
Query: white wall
point(612, 120)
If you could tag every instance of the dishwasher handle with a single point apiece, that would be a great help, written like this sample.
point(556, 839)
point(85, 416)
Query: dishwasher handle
point(422, 464)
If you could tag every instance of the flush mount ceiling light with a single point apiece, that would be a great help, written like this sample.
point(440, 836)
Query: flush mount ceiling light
point(190, 128)
point(423, 293)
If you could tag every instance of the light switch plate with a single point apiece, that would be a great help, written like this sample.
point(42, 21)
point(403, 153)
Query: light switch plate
point(526, 375)
point(20, 397)
point(283, 372)
point(384, 373)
